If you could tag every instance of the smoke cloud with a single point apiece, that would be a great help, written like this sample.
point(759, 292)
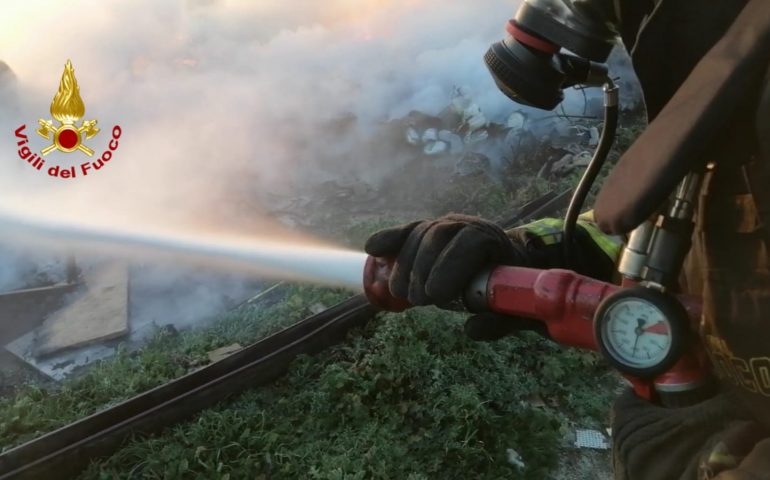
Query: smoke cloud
point(226, 105)
point(226, 102)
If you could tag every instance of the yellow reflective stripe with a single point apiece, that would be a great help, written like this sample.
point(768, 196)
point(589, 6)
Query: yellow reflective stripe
point(587, 216)
point(550, 231)
point(610, 244)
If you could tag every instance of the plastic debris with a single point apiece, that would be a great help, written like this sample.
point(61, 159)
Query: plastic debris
point(474, 119)
point(412, 136)
point(435, 148)
point(514, 458)
point(591, 439)
point(516, 120)
point(582, 159)
point(594, 137)
point(476, 137)
point(455, 142)
point(430, 135)
point(317, 308)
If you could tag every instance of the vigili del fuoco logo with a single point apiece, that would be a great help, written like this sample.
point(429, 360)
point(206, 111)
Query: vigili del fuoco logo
point(66, 133)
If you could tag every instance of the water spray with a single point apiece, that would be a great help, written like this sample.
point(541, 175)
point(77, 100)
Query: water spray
point(286, 261)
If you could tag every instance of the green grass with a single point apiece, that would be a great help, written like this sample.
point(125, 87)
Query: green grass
point(408, 397)
point(35, 410)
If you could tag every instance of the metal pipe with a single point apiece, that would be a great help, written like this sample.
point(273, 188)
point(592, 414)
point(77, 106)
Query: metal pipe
point(634, 257)
point(611, 113)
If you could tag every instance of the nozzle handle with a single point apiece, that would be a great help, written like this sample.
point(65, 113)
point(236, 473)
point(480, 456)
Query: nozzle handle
point(376, 277)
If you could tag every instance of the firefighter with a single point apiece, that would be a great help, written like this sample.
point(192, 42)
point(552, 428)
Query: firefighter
point(726, 437)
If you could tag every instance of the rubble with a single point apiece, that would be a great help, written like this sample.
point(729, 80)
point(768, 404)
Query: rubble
point(99, 312)
point(406, 160)
point(570, 161)
point(454, 141)
point(224, 352)
point(593, 439)
point(463, 132)
point(472, 164)
point(421, 164)
point(162, 299)
point(516, 120)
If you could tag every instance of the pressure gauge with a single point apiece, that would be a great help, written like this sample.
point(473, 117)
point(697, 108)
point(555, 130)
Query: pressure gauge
point(641, 331)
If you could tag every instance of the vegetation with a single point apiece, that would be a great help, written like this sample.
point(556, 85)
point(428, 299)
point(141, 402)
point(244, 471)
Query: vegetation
point(408, 396)
point(35, 409)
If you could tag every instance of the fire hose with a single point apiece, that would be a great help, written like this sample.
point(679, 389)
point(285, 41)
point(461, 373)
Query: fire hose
point(574, 309)
point(645, 331)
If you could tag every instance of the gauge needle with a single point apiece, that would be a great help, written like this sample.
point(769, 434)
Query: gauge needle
point(639, 330)
point(659, 328)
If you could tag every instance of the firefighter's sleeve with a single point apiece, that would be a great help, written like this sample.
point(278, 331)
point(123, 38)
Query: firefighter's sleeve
point(595, 254)
point(650, 442)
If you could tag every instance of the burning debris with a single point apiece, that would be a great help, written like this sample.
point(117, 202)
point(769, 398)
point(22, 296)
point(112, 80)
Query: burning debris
point(60, 328)
point(97, 312)
point(458, 147)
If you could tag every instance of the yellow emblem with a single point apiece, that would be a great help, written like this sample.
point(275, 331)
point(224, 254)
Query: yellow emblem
point(67, 108)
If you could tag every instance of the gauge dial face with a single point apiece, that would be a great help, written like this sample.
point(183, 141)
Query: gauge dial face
point(636, 333)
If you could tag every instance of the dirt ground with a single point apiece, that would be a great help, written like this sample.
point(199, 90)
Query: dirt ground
point(14, 373)
point(584, 464)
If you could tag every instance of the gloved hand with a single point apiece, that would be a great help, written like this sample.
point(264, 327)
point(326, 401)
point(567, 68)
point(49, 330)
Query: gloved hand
point(741, 453)
point(651, 442)
point(437, 259)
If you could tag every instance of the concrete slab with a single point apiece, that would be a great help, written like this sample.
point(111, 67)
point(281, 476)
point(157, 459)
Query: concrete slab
point(62, 364)
point(22, 311)
point(96, 312)
point(224, 352)
point(159, 295)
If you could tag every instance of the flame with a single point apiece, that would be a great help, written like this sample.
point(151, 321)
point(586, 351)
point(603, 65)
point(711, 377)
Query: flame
point(67, 106)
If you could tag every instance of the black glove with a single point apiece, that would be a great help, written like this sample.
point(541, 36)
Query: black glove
point(754, 466)
point(437, 259)
point(741, 452)
point(652, 442)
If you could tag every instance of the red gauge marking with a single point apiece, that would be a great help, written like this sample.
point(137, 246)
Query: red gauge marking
point(659, 328)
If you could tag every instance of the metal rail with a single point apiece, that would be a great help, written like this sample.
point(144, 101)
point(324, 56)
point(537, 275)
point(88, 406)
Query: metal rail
point(65, 452)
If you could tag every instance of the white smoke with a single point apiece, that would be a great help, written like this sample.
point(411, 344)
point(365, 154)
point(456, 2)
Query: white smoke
point(224, 106)
point(220, 98)
point(224, 103)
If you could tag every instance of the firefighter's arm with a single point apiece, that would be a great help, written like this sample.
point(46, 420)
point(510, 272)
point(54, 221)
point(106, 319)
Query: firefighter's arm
point(595, 253)
point(755, 466)
point(651, 442)
point(711, 440)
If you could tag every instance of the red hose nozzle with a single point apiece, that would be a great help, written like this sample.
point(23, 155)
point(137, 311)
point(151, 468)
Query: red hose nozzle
point(376, 277)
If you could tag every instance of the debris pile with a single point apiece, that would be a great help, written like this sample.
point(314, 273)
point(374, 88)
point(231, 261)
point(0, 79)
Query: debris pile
point(60, 327)
point(422, 163)
point(552, 143)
